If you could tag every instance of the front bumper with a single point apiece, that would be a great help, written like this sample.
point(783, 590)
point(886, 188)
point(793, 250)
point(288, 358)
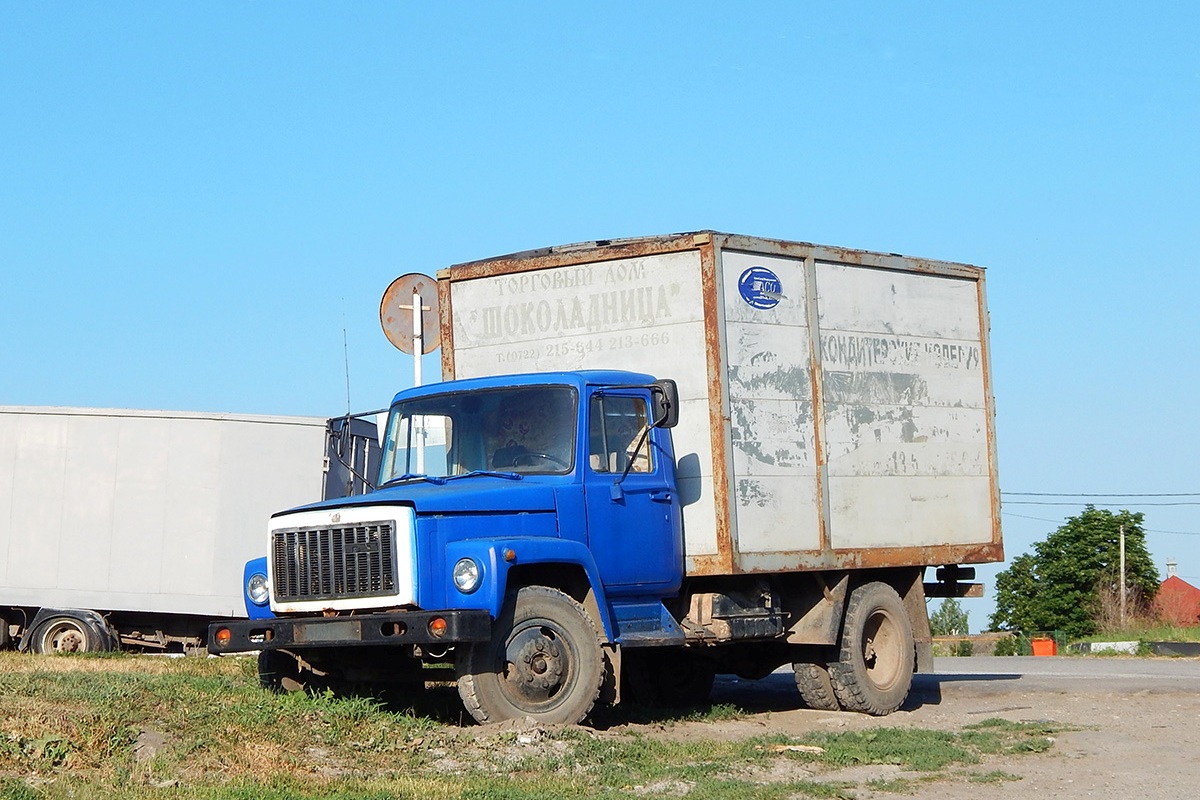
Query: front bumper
point(395, 628)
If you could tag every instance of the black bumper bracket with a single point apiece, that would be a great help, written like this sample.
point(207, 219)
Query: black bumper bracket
point(395, 628)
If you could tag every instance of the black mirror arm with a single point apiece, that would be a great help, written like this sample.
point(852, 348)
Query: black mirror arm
point(637, 449)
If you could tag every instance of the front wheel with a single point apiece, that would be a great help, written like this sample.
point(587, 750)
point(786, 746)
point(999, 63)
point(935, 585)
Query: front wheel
point(543, 661)
point(874, 669)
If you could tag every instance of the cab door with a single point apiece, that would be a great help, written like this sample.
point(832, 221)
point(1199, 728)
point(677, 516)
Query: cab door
point(633, 517)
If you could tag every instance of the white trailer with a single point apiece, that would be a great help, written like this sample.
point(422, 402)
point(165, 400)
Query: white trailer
point(122, 527)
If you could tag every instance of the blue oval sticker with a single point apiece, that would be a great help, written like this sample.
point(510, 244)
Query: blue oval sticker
point(760, 287)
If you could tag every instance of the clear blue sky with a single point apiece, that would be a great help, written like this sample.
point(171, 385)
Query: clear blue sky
point(198, 202)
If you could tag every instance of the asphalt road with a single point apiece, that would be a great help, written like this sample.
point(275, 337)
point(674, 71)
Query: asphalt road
point(980, 676)
point(1033, 674)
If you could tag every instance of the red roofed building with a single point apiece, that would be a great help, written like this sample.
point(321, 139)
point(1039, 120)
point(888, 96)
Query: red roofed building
point(1177, 601)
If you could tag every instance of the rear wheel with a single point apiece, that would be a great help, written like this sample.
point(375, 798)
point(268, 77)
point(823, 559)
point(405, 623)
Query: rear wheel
point(874, 669)
point(816, 689)
point(543, 661)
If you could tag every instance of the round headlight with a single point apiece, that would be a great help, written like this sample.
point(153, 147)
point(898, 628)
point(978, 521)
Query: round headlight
point(466, 575)
point(257, 590)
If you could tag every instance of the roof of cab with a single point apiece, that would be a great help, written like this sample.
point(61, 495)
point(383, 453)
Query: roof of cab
point(578, 379)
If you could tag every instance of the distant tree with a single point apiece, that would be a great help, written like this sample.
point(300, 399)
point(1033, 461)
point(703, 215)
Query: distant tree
point(1016, 590)
point(949, 619)
point(1056, 587)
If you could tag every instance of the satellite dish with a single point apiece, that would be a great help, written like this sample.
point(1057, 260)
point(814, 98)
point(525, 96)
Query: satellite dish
point(396, 313)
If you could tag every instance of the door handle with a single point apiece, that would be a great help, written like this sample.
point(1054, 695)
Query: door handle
point(661, 496)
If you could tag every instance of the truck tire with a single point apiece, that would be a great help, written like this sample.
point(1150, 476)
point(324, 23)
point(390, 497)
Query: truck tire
point(874, 669)
point(543, 661)
point(816, 689)
point(66, 634)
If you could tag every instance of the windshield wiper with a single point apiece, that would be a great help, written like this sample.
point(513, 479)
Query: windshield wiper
point(512, 476)
point(410, 476)
point(438, 480)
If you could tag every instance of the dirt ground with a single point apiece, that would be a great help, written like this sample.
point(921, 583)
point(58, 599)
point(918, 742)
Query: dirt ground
point(1138, 732)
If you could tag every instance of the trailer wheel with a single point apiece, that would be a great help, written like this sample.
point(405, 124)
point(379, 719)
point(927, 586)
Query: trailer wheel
point(816, 689)
point(63, 634)
point(543, 661)
point(874, 669)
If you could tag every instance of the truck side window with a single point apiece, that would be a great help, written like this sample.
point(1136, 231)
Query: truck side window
point(616, 427)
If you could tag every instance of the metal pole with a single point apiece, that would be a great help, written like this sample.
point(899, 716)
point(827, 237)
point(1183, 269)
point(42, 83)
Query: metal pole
point(418, 336)
point(418, 351)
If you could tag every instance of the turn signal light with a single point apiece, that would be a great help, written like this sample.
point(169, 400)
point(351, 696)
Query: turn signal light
point(437, 627)
point(223, 637)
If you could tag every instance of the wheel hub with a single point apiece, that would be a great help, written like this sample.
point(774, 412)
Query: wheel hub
point(68, 642)
point(536, 667)
point(63, 637)
point(881, 652)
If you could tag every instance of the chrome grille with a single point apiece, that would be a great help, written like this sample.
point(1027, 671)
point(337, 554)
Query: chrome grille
point(354, 560)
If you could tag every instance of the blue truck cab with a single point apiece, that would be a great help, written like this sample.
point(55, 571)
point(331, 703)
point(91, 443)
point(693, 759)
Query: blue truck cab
point(524, 529)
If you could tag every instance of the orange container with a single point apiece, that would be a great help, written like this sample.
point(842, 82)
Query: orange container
point(1045, 647)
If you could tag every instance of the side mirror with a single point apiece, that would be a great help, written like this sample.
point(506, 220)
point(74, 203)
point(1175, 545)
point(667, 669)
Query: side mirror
point(665, 396)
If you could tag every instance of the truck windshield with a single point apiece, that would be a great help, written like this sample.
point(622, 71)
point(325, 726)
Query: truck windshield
point(523, 430)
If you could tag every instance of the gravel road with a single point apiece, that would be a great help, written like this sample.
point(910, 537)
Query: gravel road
point(1137, 720)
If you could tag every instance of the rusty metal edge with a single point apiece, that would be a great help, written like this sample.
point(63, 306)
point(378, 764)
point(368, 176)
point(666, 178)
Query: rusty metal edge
point(817, 376)
point(845, 255)
point(718, 401)
point(875, 558)
point(871, 558)
point(615, 249)
point(702, 565)
point(446, 319)
point(989, 399)
point(572, 254)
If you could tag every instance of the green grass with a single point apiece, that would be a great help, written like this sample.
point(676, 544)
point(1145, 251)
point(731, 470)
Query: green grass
point(920, 750)
point(1156, 633)
point(137, 728)
point(898, 785)
point(1002, 737)
point(995, 776)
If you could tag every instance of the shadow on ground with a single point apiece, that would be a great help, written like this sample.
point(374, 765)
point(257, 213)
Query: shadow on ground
point(440, 703)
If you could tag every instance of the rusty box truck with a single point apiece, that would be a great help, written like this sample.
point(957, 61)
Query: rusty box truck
point(655, 460)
